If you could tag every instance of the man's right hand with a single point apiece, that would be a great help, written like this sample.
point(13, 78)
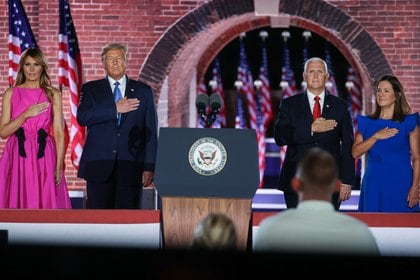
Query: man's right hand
point(322, 125)
point(125, 105)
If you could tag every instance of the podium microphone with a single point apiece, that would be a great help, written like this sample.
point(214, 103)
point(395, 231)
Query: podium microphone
point(201, 102)
point(215, 103)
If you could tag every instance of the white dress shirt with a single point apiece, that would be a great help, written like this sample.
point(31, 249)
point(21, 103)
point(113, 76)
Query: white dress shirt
point(311, 100)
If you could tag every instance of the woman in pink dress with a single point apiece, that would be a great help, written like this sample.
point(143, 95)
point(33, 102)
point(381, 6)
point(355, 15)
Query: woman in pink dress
point(31, 165)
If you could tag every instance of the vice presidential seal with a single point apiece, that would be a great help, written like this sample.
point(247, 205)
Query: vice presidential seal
point(207, 156)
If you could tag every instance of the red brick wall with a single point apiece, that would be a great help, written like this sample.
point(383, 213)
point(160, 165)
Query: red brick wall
point(392, 26)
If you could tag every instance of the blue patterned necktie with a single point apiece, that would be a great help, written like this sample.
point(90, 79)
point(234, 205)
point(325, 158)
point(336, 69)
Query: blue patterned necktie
point(117, 96)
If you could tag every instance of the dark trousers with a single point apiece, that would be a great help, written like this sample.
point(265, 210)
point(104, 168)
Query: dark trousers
point(291, 199)
point(115, 193)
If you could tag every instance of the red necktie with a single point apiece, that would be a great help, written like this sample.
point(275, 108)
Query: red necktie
point(317, 109)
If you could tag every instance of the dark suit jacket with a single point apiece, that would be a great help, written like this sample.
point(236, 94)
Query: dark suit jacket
point(133, 143)
point(293, 128)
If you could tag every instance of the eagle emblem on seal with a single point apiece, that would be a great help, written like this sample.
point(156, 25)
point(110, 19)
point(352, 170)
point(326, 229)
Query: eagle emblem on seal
point(207, 156)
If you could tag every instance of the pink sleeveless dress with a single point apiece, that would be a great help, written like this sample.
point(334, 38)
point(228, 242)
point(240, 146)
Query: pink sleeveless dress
point(28, 182)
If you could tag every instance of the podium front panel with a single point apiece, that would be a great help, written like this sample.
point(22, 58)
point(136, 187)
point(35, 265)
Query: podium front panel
point(183, 151)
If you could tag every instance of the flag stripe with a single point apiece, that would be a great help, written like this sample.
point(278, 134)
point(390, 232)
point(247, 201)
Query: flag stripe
point(288, 89)
point(267, 113)
point(331, 84)
point(255, 107)
point(355, 92)
point(70, 75)
point(201, 89)
point(20, 36)
point(217, 76)
point(247, 89)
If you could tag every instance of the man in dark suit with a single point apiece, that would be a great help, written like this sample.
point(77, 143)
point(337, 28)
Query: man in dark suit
point(118, 157)
point(297, 128)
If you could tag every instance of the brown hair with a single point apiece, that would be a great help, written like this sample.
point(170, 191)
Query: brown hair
point(317, 169)
point(401, 108)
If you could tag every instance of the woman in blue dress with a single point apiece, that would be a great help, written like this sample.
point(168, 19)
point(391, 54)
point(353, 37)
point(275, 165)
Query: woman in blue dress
point(390, 139)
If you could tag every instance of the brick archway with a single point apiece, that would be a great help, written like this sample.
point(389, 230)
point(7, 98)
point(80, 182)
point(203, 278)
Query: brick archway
point(189, 46)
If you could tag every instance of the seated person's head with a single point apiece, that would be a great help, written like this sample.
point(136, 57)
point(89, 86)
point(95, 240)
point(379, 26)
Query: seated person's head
point(316, 175)
point(215, 231)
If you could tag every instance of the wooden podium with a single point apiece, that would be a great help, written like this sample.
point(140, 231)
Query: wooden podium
point(200, 171)
point(181, 214)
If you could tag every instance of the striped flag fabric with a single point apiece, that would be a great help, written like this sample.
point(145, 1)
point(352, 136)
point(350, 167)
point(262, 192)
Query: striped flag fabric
point(288, 83)
point(70, 75)
point(261, 155)
point(331, 84)
point(265, 96)
point(217, 76)
point(305, 53)
point(240, 121)
point(247, 89)
point(216, 121)
point(306, 35)
point(254, 106)
point(201, 89)
point(260, 132)
point(354, 89)
point(355, 92)
point(20, 37)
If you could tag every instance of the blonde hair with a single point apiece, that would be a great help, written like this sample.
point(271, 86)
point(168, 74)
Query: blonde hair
point(216, 231)
point(114, 46)
point(44, 80)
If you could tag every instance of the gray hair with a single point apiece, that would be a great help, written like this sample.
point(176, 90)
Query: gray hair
point(312, 59)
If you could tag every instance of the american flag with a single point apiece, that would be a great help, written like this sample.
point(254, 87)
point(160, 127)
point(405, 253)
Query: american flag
point(20, 36)
point(306, 35)
point(245, 75)
point(254, 106)
point(305, 54)
point(355, 92)
point(265, 97)
point(70, 75)
point(261, 155)
point(201, 88)
point(217, 76)
point(260, 132)
point(331, 84)
point(288, 83)
point(240, 121)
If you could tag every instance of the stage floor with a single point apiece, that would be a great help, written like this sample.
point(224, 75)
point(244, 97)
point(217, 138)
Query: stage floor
point(264, 200)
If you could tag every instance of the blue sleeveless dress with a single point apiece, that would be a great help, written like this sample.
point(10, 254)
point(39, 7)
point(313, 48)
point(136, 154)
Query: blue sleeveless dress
point(388, 174)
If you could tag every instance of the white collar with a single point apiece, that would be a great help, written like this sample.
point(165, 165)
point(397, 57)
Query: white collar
point(122, 81)
point(311, 95)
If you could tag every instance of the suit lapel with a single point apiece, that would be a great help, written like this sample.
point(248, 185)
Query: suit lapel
point(107, 88)
point(129, 93)
point(129, 90)
point(306, 107)
point(326, 109)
